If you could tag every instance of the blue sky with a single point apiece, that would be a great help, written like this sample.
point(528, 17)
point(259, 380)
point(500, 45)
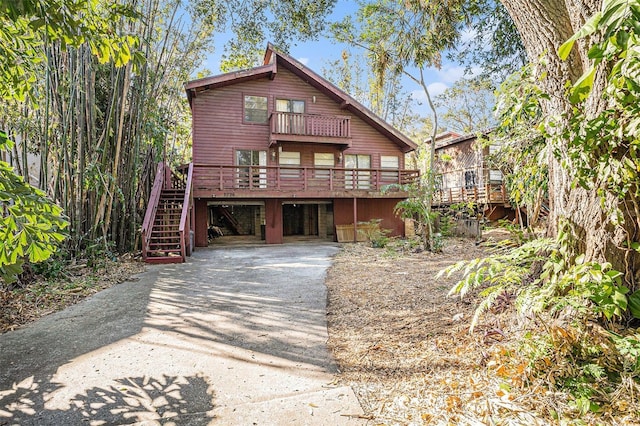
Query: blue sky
point(319, 53)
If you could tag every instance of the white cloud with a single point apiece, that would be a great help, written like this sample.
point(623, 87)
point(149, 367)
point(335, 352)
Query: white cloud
point(435, 89)
point(303, 61)
point(452, 73)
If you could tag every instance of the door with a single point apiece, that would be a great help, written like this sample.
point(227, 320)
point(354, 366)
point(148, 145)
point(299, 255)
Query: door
point(251, 176)
point(354, 178)
point(293, 121)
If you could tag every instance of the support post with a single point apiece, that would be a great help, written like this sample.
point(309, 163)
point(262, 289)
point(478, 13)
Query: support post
point(355, 220)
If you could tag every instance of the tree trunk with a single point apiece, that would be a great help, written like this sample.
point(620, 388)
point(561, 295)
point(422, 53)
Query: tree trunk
point(543, 26)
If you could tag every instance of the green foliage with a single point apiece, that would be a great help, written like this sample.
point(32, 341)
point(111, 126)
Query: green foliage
point(27, 26)
point(389, 101)
point(517, 146)
point(31, 226)
point(377, 236)
point(445, 224)
point(505, 272)
point(467, 105)
point(417, 206)
point(252, 22)
point(495, 46)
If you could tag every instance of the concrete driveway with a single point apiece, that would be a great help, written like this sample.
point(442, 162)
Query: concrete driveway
point(236, 336)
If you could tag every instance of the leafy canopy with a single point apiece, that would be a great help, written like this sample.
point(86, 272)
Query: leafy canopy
point(31, 225)
point(26, 26)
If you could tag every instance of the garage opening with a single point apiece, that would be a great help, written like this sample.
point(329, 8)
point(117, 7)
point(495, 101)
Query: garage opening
point(244, 221)
point(307, 219)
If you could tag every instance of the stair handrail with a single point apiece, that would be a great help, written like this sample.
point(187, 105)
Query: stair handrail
point(152, 207)
point(185, 237)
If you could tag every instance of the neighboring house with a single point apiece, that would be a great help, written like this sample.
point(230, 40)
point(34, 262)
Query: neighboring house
point(462, 176)
point(279, 151)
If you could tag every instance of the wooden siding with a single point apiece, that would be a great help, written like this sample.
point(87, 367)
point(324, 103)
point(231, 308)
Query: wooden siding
point(368, 210)
point(218, 128)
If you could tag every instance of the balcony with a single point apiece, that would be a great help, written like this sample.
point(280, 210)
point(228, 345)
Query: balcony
point(309, 182)
point(316, 128)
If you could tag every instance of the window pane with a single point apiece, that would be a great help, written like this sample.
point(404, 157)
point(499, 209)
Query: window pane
point(251, 158)
point(350, 161)
point(322, 159)
point(288, 105)
point(255, 109)
point(243, 158)
point(283, 105)
point(389, 162)
point(289, 158)
point(298, 107)
point(364, 161)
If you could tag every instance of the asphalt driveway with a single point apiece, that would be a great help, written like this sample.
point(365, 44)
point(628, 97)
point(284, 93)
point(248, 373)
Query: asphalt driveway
point(236, 336)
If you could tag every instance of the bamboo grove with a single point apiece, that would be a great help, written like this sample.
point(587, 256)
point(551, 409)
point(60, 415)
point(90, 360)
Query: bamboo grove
point(91, 133)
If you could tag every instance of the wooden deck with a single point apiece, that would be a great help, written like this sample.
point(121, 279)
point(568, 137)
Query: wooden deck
point(487, 194)
point(280, 181)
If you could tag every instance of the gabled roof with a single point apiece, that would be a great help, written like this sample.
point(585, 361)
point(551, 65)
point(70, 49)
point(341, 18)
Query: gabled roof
point(448, 141)
point(274, 58)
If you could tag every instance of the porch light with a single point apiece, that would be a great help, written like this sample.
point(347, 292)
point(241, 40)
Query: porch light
point(340, 157)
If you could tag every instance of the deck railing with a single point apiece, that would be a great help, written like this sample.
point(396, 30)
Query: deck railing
point(150, 214)
point(185, 217)
point(283, 178)
point(490, 194)
point(331, 126)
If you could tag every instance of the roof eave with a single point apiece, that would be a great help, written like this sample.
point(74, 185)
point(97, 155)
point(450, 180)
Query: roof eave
point(200, 85)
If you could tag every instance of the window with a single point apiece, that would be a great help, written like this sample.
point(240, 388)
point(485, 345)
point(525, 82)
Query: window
point(323, 160)
point(255, 109)
point(291, 159)
point(357, 179)
point(390, 162)
point(251, 177)
point(290, 105)
point(291, 121)
point(469, 179)
point(495, 176)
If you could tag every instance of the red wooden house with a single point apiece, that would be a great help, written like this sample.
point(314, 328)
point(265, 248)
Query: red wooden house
point(463, 176)
point(279, 151)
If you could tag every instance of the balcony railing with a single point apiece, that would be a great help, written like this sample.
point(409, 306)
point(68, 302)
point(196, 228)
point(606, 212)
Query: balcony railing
point(312, 125)
point(238, 179)
point(489, 194)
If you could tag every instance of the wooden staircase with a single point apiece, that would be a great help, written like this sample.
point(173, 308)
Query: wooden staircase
point(168, 221)
point(231, 221)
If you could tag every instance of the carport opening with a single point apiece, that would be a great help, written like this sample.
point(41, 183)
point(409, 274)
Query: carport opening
point(235, 221)
point(307, 219)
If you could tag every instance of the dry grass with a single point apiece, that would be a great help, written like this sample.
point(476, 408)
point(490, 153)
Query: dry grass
point(405, 347)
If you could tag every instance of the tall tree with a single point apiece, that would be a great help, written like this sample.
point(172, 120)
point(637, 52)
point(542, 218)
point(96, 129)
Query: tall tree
point(404, 38)
point(468, 105)
point(389, 100)
point(601, 217)
point(251, 22)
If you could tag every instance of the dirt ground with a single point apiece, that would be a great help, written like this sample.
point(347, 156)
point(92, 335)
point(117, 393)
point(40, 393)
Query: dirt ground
point(20, 305)
point(404, 345)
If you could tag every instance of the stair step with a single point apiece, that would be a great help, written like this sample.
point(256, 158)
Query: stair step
point(163, 251)
point(164, 259)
